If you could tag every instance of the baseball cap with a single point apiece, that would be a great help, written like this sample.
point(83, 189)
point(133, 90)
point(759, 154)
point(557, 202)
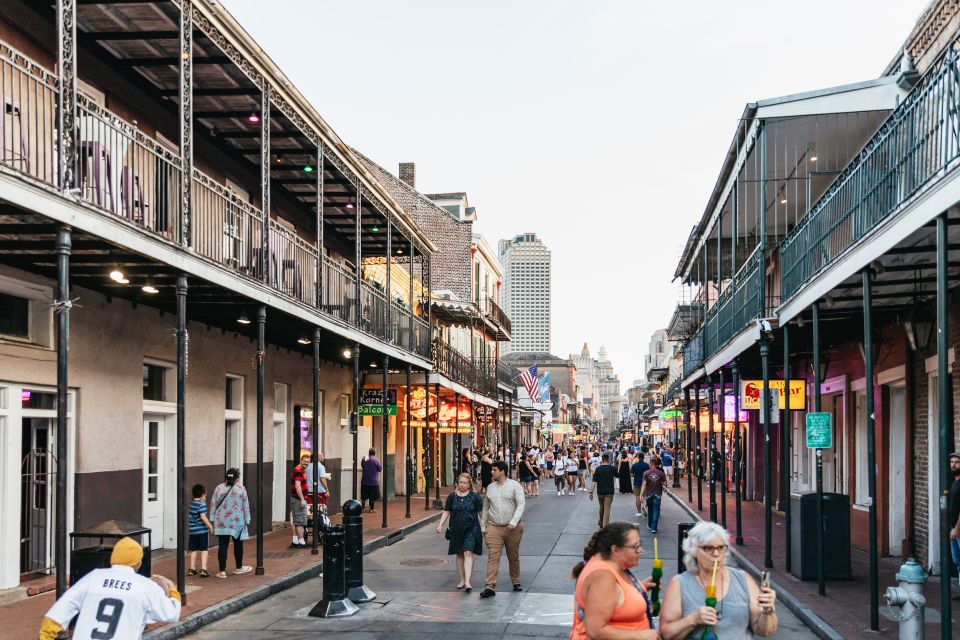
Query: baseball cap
point(955, 454)
point(127, 552)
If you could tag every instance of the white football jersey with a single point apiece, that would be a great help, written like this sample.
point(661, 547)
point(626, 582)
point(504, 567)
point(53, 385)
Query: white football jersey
point(114, 603)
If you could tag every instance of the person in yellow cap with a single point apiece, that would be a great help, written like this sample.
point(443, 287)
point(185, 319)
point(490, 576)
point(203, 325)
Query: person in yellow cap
point(114, 603)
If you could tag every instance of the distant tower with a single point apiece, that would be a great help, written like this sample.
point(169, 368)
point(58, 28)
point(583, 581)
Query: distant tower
point(525, 295)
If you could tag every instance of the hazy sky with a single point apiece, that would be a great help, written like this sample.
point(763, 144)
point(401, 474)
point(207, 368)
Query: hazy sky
point(599, 124)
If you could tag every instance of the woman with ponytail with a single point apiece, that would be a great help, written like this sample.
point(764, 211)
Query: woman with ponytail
point(610, 603)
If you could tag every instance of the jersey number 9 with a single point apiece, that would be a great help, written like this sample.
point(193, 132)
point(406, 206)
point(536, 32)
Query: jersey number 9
point(108, 613)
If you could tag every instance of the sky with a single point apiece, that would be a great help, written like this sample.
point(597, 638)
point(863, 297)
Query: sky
point(601, 125)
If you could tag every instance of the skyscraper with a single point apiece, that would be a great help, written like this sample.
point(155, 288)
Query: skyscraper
point(526, 291)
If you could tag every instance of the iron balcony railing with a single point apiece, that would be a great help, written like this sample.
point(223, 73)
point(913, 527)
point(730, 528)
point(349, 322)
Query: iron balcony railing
point(454, 364)
point(735, 307)
point(496, 314)
point(123, 172)
point(693, 353)
point(486, 376)
point(915, 148)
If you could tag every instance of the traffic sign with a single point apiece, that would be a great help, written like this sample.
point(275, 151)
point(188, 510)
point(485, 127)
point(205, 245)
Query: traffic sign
point(819, 430)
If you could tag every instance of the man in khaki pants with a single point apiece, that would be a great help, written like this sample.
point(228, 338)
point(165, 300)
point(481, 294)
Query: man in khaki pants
point(603, 484)
point(500, 522)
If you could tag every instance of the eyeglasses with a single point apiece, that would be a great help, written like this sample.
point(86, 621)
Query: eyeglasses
point(712, 549)
point(635, 547)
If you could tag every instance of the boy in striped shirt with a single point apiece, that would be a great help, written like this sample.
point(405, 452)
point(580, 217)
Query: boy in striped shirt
point(200, 525)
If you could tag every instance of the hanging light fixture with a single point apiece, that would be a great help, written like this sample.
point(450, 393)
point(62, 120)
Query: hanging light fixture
point(375, 228)
point(116, 275)
point(783, 197)
point(347, 353)
point(350, 204)
point(149, 289)
point(303, 340)
point(307, 168)
point(243, 319)
point(253, 118)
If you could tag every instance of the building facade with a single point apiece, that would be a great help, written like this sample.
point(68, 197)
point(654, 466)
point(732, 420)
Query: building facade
point(526, 291)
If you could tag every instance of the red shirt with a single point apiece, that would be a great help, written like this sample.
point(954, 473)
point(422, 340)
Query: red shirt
point(298, 477)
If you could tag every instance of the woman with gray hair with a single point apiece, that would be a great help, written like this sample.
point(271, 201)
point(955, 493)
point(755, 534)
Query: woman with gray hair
point(743, 609)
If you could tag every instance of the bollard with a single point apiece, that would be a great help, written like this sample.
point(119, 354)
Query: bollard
point(906, 601)
point(353, 553)
point(682, 530)
point(335, 603)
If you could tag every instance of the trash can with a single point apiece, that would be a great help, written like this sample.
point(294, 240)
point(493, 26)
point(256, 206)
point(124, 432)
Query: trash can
point(682, 530)
point(85, 559)
point(836, 536)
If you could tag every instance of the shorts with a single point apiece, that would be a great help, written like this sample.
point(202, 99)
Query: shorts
point(298, 512)
point(636, 490)
point(572, 474)
point(581, 472)
point(526, 478)
point(198, 542)
point(668, 468)
point(369, 492)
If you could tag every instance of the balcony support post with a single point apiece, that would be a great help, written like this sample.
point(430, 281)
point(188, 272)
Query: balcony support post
point(318, 295)
point(721, 406)
point(356, 418)
point(735, 211)
point(765, 410)
point(358, 248)
point(762, 289)
point(427, 441)
point(689, 448)
point(785, 437)
point(62, 310)
point(410, 299)
point(388, 312)
point(409, 475)
point(265, 179)
point(438, 440)
point(821, 584)
point(699, 458)
point(458, 464)
point(315, 429)
point(186, 123)
point(871, 448)
point(737, 454)
point(261, 348)
point(945, 420)
point(181, 430)
point(67, 96)
point(711, 450)
point(384, 432)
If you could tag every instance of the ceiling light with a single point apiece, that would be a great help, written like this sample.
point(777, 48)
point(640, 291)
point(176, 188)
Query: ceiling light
point(373, 365)
point(813, 156)
point(307, 169)
point(123, 281)
point(254, 118)
point(150, 289)
point(375, 228)
point(350, 204)
point(243, 319)
point(303, 340)
point(783, 198)
point(399, 251)
point(279, 158)
point(116, 275)
point(347, 353)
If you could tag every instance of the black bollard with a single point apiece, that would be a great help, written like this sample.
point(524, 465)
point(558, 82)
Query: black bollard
point(353, 553)
point(335, 603)
point(682, 530)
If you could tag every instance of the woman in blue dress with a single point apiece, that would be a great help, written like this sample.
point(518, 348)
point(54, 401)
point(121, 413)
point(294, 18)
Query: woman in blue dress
point(462, 510)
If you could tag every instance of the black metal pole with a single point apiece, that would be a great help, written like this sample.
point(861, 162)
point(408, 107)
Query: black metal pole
point(945, 423)
point(699, 452)
point(409, 474)
point(723, 450)
point(438, 472)
point(384, 432)
point(356, 416)
point(711, 448)
point(64, 248)
point(871, 450)
point(427, 441)
point(317, 450)
point(737, 454)
point(765, 410)
point(181, 433)
point(458, 459)
point(785, 438)
point(261, 347)
point(689, 448)
point(821, 583)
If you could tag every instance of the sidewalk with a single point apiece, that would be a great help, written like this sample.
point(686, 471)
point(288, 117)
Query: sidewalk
point(209, 599)
point(846, 607)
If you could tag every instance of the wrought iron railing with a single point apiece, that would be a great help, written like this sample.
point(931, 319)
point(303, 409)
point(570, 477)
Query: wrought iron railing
point(293, 264)
point(486, 376)
point(226, 228)
point(736, 306)
point(496, 314)
point(916, 147)
point(453, 364)
point(693, 353)
point(338, 292)
point(373, 311)
point(421, 338)
point(28, 112)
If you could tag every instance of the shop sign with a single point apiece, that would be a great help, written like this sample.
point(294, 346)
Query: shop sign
point(667, 414)
point(463, 430)
point(750, 391)
point(819, 430)
point(484, 413)
point(377, 409)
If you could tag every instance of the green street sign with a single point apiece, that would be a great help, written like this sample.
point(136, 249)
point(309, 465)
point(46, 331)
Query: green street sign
point(819, 430)
point(377, 409)
point(666, 414)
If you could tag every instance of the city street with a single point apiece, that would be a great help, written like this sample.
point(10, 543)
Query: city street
point(415, 584)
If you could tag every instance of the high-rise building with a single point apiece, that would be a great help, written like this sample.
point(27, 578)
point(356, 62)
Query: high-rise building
point(526, 291)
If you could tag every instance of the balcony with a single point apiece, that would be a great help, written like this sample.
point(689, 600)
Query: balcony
point(916, 148)
point(486, 376)
point(693, 354)
point(453, 364)
point(124, 173)
point(498, 317)
point(736, 307)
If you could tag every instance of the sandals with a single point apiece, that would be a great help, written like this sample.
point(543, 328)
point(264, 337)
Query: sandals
point(242, 570)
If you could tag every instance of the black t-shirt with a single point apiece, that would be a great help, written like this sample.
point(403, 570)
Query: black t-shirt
point(954, 503)
point(603, 477)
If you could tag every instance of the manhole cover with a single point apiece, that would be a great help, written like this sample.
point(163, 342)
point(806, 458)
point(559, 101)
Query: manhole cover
point(422, 562)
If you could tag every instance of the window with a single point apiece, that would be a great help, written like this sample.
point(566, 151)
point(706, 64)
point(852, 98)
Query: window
point(233, 392)
point(345, 402)
point(25, 313)
point(14, 316)
point(154, 386)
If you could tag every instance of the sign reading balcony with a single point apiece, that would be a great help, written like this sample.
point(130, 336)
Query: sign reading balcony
point(819, 430)
point(750, 393)
point(371, 402)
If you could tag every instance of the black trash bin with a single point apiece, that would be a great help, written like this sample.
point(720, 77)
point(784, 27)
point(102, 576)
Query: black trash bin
point(85, 559)
point(683, 529)
point(836, 536)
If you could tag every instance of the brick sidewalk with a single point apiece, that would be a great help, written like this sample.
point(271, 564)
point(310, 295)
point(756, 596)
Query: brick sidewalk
point(846, 606)
point(21, 620)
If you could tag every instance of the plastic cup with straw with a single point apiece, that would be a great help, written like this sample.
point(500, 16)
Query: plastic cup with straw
point(709, 633)
point(657, 575)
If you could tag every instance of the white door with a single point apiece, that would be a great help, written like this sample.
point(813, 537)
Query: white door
point(933, 477)
point(153, 472)
point(279, 471)
point(897, 447)
point(233, 455)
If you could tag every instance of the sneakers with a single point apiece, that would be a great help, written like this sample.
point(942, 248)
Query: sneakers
point(204, 573)
point(517, 587)
point(488, 593)
point(638, 514)
point(192, 572)
point(559, 494)
point(242, 570)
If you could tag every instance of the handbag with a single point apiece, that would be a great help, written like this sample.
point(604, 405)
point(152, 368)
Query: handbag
point(446, 534)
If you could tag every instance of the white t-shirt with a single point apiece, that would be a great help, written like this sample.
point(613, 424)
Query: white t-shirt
point(114, 603)
point(594, 462)
point(571, 465)
point(322, 472)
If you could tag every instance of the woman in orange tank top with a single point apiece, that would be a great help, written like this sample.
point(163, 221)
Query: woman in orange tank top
point(610, 604)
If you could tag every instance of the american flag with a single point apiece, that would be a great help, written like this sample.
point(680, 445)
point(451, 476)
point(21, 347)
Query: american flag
point(529, 380)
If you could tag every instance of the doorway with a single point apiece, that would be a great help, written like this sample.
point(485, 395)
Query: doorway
point(834, 469)
point(896, 514)
point(37, 490)
point(154, 477)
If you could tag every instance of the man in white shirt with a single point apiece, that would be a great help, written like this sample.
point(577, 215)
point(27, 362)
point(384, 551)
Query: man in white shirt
point(114, 603)
point(503, 506)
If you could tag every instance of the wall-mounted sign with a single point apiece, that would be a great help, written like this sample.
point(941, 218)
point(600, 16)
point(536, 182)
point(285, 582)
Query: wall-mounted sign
point(375, 396)
point(667, 414)
point(729, 409)
point(377, 409)
point(462, 430)
point(484, 413)
point(750, 393)
point(819, 430)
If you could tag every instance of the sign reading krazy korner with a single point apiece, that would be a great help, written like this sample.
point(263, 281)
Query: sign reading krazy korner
point(750, 393)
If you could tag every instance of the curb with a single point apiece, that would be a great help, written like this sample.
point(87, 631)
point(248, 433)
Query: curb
point(806, 615)
point(202, 618)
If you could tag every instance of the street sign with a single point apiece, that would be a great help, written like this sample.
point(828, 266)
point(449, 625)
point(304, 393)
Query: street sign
point(819, 430)
point(371, 402)
point(377, 409)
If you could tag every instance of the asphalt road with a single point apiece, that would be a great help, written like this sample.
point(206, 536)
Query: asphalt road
point(415, 584)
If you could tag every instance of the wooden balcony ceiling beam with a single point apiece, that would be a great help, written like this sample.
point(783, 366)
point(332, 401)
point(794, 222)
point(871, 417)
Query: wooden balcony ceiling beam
point(133, 35)
point(214, 92)
point(171, 61)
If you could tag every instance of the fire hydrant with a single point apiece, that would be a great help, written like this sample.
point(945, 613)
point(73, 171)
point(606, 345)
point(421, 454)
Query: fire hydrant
point(906, 602)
